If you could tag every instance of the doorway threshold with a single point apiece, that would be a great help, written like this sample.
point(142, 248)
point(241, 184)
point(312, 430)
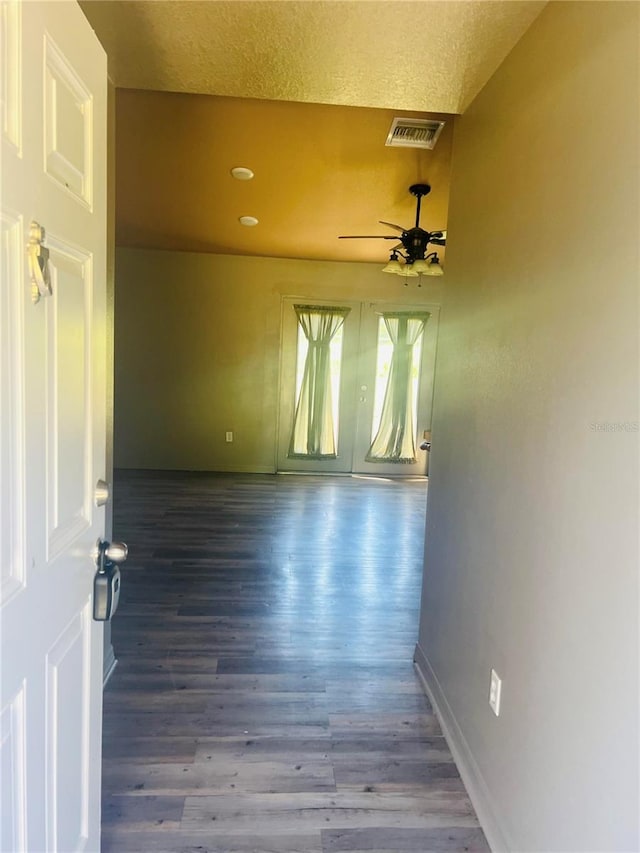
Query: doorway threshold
point(389, 478)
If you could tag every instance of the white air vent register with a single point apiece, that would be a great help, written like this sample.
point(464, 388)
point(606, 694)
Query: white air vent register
point(414, 133)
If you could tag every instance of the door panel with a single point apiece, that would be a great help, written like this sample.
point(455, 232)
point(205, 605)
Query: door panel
point(68, 124)
point(12, 775)
point(53, 365)
point(11, 70)
point(371, 314)
point(12, 509)
point(68, 727)
point(68, 333)
point(288, 387)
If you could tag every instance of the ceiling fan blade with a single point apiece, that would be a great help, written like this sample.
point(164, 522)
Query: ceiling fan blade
point(439, 238)
point(367, 237)
point(392, 225)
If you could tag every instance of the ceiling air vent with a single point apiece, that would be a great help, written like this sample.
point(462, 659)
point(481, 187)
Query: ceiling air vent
point(414, 133)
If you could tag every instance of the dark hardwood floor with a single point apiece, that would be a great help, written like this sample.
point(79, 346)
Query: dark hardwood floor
point(265, 699)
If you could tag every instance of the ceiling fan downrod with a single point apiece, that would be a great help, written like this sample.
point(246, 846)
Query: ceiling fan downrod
point(419, 190)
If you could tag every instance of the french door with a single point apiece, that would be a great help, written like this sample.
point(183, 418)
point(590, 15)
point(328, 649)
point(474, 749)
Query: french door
point(356, 385)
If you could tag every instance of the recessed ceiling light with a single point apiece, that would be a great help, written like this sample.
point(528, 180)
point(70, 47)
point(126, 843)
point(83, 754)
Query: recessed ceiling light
point(248, 221)
point(241, 173)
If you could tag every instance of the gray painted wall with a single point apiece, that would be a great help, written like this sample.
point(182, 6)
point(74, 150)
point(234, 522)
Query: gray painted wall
point(531, 561)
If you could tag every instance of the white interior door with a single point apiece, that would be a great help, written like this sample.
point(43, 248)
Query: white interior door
point(52, 439)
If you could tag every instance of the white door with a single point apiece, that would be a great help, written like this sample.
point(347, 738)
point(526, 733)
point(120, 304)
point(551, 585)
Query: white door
point(52, 434)
point(359, 368)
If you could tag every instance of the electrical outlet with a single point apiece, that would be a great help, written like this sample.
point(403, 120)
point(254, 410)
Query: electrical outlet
point(495, 691)
point(228, 437)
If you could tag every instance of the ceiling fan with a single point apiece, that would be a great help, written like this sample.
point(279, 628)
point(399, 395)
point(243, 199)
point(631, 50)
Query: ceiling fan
point(413, 242)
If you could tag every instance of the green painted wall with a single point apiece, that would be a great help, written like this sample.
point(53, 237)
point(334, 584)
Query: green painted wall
point(197, 343)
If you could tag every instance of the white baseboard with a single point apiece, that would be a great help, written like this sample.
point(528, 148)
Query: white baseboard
point(469, 771)
point(233, 469)
point(246, 469)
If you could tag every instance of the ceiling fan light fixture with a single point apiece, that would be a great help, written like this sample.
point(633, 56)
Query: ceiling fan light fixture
point(394, 265)
point(434, 268)
point(420, 266)
point(407, 271)
point(249, 221)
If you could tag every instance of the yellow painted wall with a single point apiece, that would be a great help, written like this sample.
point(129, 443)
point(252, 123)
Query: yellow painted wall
point(531, 562)
point(320, 171)
point(197, 342)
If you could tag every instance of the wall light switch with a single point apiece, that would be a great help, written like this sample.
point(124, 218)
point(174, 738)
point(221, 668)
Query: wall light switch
point(495, 691)
point(228, 437)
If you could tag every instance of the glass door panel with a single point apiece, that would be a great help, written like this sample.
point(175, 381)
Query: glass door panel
point(317, 399)
point(317, 393)
point(395, 395)
point(397, 360)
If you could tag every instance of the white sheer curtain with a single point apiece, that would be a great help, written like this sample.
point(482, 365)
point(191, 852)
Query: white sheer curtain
point(312, 435)
point(395, 440)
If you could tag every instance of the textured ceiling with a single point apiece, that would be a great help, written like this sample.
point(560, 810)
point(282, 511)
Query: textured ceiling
point(320, 171)
point(425, 55)
point(301, 91)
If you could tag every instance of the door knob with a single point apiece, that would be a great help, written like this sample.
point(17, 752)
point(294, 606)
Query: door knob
point(426, 445)
point(111, 552)
point(116, 552)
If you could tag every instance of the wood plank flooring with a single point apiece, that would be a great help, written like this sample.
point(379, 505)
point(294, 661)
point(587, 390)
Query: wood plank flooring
point(265, 699)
